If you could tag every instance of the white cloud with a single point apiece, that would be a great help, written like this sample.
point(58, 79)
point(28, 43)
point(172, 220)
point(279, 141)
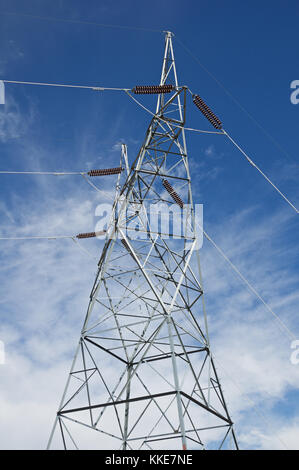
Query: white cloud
point(45, 288)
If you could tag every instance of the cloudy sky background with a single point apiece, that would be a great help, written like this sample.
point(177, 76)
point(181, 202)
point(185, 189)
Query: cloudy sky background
point(45, 285)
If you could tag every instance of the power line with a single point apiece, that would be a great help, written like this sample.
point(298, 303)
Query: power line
point(179, 41)
point(163, 120)
point(72, 237)
point(223, 132)
point(55, 173)
point(150, 112)
point(105, 193)
point(54, 237)
point(196, 130)
point(251, 288)
point(83, 249)
point(260, 171)
point(290, 334)
point(216, 123)
point(63, 173)
point(202, 131)
point(90, 87)
point(50, 237)
point(229, 94)
point(91, 23)
point(100, 88)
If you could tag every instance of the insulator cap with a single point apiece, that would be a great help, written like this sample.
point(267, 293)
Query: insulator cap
point(105, 172)
point(172, 193)
point(90, 234)
point(207, 112)
point(150, 90)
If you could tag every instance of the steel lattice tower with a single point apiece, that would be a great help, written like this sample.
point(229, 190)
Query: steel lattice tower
point(143, 376)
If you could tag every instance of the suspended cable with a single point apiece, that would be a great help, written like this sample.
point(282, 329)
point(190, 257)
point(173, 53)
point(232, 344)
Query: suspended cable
point(153, 89)
point(105, 193)
point(54, 237)
point(251, 288)
point(74, 238)
point(78, 244)
point(92, 23)
point(138, 90)
point(175, 196)
point(228, 93)
point(91, 173)
point(240, 275)
point(56, 173)
point(198, 102)
point(208, 113)
point(99, 172)
point(202, 131)
point(161, 119)
point(260, 171)
point(139, 104)
point(38, 238)
point(95, 88)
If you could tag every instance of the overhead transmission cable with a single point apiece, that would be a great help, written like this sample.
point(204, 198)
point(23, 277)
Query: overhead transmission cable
point(216, 123)
point(102, 88)
point(90, 23)
point(199, 103)
point(196, 130)
point(229, 94)
point(163, 120)
point(55, 173)
point(175, 196)
point(178, 200)
point(283, 326)
point(91, 173)
point(75, 238)
point(260, 171)
point(65, 85)
point(50, 237)
point(180, 203)
point(105, 193)
point(137, 28)
point(56, 237)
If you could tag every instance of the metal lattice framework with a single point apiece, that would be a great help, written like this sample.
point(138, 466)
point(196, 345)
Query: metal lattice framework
point(143, 376)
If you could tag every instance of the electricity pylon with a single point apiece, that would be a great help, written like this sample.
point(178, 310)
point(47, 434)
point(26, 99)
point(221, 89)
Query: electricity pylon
point(143, 376)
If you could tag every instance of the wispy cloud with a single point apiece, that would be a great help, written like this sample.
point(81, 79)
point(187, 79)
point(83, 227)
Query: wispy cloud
point(12, 123)
point(45, 288)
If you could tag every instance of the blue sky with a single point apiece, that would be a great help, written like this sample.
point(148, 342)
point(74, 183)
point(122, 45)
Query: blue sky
point(251, 50)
